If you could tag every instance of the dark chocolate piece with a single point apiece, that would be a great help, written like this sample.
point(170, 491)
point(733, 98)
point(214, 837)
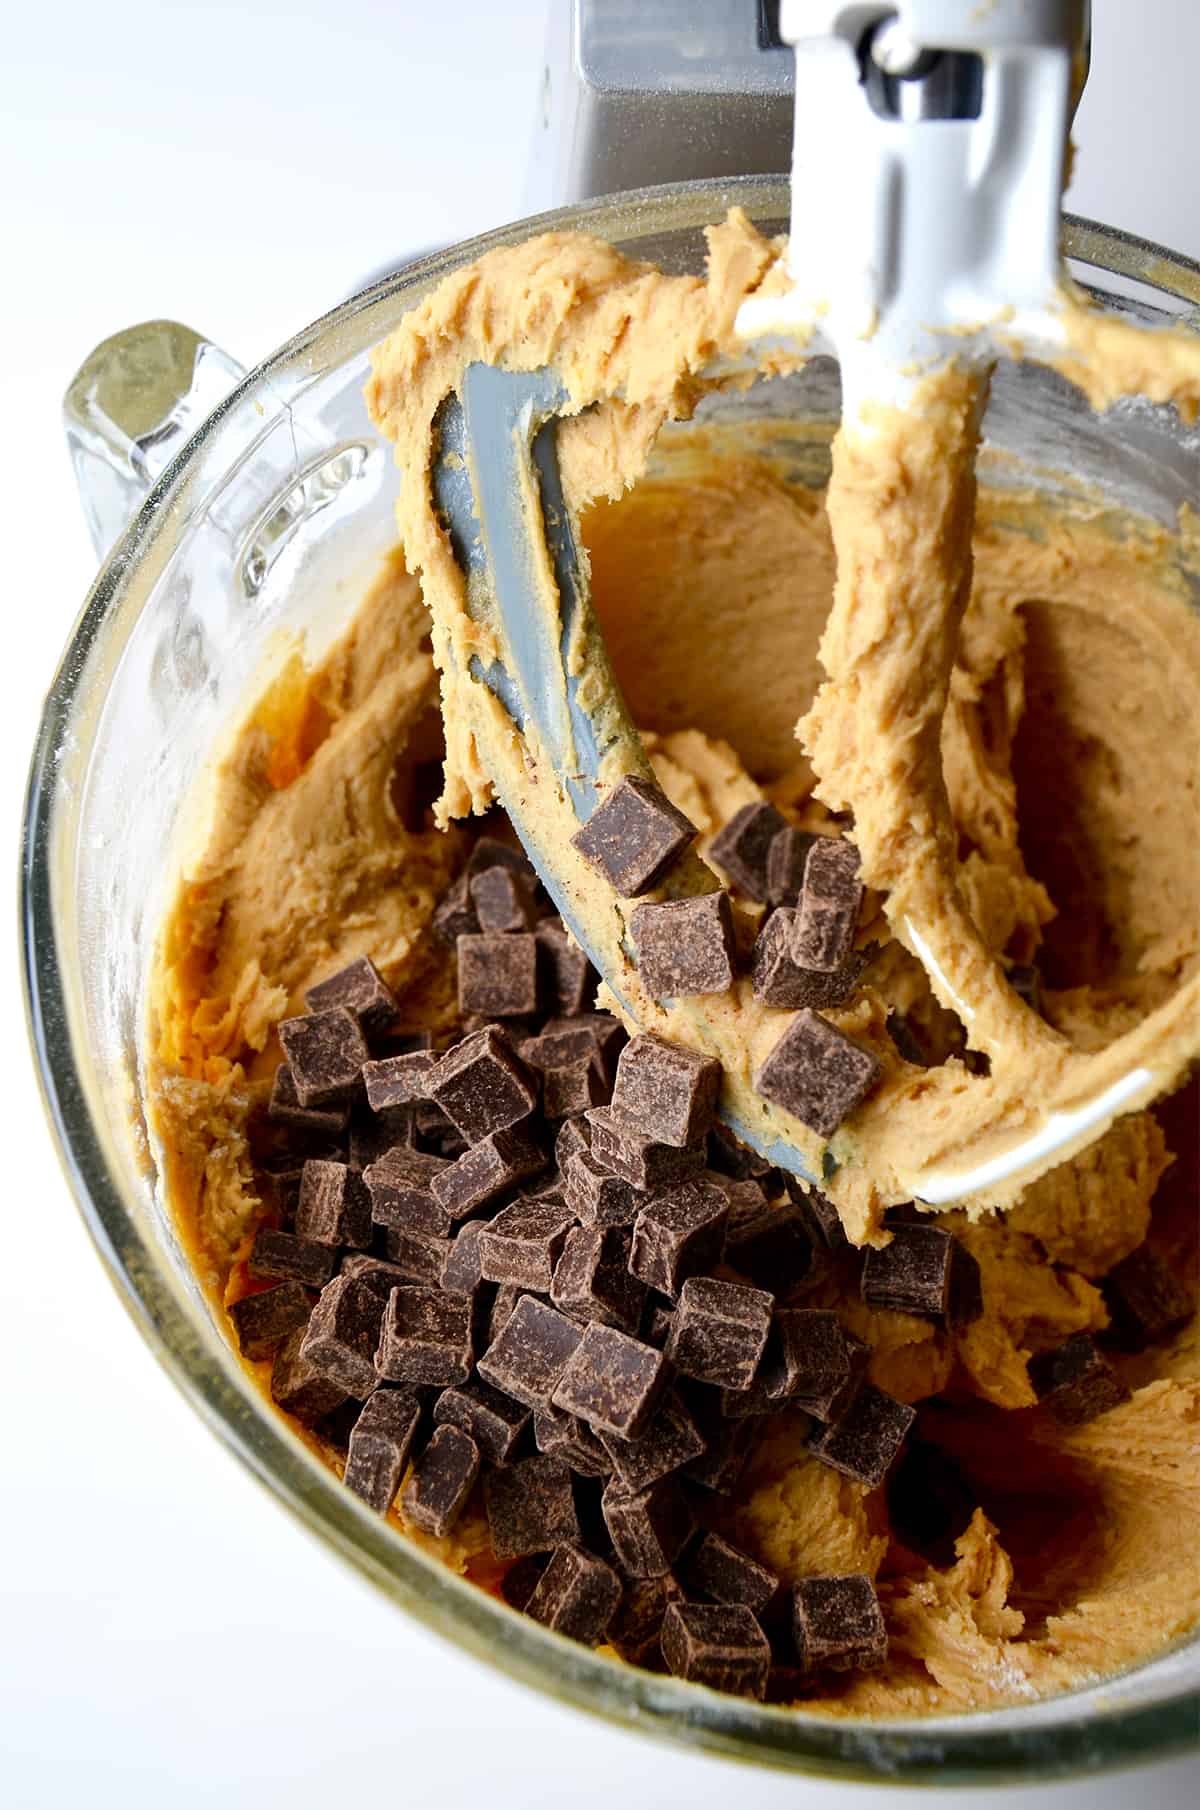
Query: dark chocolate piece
point(685, 946)
point(717, 1569)
point(556, 1049)
point(523, 1244)
point(592, 1280)
point(781, 981)
point(455, 914)
point(1145, 1299)
point(373, 1134)
point(818, 1212)
point(425, 1337)
point(565, 1436)
point(864, 1440)
point(915, 1274)
point(503, 901)
point(362, 990)
point(837, 1624)
point(596, 1197)
point(636, 1156)
point(636, 1628)
point(299, 1387)
point(607, 1032)
point(482, 1087)
point(612, 1381)
point(494, 1421)
point(729, 1156)
point(442, 1479)
point(416, 1256)
point(573, 1088)
point(520, 1580)
point(530, 1507)
point(325, 1052)
point(489, 851)
point(261, 1320)
point(830, 899)
point(383, 1277)
point(810, 1364)
point(497, 975)
point(399, 1186)
point(343, 1334)
point(669, 1440)
point(1075, 1381)
point(727, 1445)
point(574, 1137)
point(501, 1312)
point(770, 1245)
point(717, 1644)
point(678, 1234)
point(818, 1073)
point(485, 1171)
point(634, 836)
point(461, 1272)
point(648, 1529)
point(656, 1321)
point(334, 1207)
point(742, 848)
point(526, 1359)
point(287, 1108)
point(286, 1258)
point(667, 1092)
point(786, 860)
point(399, 1080)
point(576, 1595)
point(719, 1331)
point(379, 1446)
point(566, 978)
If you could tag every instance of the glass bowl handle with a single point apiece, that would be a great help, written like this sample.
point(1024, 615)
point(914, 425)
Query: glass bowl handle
point(128, 410)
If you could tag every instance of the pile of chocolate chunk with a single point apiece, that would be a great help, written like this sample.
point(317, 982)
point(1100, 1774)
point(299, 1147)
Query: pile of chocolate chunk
point(532, 1271)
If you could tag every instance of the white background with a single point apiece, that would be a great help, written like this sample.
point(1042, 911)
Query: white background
point(168, 1636)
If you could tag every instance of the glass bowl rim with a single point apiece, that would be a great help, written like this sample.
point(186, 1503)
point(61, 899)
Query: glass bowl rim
point(975, 1747)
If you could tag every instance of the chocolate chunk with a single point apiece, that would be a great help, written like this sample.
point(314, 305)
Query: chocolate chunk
point(462, 1272)
point(634, 836)
point(286, 1258)
point(482, 1087)
point(442, 1480)
point(497, 975)
point(373, 1134)
point(1075, 1381)
point(1026, 983)
point(592, 1280)
point(818, 1073)
point(425, 1337)
point(787, 857)
point(865, 1439)
point(678, 1234)
point(287, 1108)
point(576, 1595)
point(573, 1088)
point(566, 978)
point(1145, 1299)
point(263, 1319)
point(523, 1244)
point(781, 981)
point(527, 1357)
point(325, 1052)
point(557, 1049)
point(489, 851)
point(530, 1507)
point(717, 1569)
point(915, 1274)
point(636, 1627)
point(669, 1440)
point(648, 1529)
point(837, 1624)
point(379, 1446)
point(416, 1256)
point(656, 1322)
point(771, 1245)
point(719, 1332)
point(818, 1212)
point(636, 1156)
point(809, 1365)
point(607, 1033)
point(727, 1155)
point(485, 1171)
point(501, 1312)
point(383, 1277)
point(717, 1644)
point(360, 989)
point(343, 1334)
point(455, 914)
point(399, 1080)
point(596, 1197)
point(334, 1207)
point(612, 1381)
point(503, 901)
point(685, 946)
point(742, 848)
point(668, 1092)
point(399, 1185)
point(298, 1386)
point(565, 1436)
point(830, 899)
point(494, 1421)
point(520, 1580)
point(574, 1137)
point(727, 1444)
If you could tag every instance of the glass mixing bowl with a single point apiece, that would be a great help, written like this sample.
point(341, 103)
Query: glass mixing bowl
point(268, 515)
